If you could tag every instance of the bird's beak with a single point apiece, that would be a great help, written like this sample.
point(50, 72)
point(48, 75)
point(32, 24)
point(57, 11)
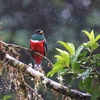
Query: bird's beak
point(41, 32)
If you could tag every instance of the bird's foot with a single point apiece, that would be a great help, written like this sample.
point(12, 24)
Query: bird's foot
point(38, 68)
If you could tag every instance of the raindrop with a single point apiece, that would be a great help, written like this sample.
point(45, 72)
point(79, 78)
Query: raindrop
point(34, 9)
point(66, 13)
point(48, 4)
point(86, 2)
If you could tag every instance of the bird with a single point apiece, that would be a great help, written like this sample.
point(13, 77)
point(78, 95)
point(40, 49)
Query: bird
point(38, 44)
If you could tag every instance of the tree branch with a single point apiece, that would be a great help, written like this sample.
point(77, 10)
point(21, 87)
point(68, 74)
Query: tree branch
point(74, 94)
point(33, 90)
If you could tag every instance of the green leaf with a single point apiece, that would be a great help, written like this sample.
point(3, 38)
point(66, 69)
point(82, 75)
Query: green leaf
point(76, 54)
point(86, 74)
point(88, 83)
point(91, 44)
point(94, 46)
point(95, 92)
point(88, 46)
point(97, 55)
point(69, 46)
point(56, 68)
point(6, 97)
point(63, 71)
point(83, 54)
point(76, 66)
point(92, 37)
point(97, 38)
point(53, 71)
point(66, 58)
point(81, 84)
point(59, 58)
point(59, 50)
point(63, 57)
point(73, 48)
point(87, 33)
point(85, 84)
point(58, 64)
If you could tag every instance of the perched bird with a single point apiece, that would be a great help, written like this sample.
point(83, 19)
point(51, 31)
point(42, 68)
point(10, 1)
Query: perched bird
point(38, 44)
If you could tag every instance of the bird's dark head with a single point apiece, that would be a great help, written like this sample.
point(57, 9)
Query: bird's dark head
point(38, 35)
point(38, 31)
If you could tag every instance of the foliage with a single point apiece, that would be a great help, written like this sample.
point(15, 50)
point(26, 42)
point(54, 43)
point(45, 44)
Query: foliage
point(80, 63)
point(6, 97)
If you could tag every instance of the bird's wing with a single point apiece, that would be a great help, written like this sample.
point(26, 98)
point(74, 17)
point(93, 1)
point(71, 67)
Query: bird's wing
point(45, 46)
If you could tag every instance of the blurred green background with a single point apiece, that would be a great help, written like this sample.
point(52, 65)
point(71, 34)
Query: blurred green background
point(59, 19)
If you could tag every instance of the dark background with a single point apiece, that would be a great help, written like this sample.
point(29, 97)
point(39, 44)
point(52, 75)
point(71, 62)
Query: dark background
point(59, 19)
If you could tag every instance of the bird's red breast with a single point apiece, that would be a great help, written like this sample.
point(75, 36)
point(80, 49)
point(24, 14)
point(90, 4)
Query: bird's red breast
point(37, 46)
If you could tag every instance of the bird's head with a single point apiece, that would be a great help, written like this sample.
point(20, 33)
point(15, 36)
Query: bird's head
point(38, 31)
point(38, 35)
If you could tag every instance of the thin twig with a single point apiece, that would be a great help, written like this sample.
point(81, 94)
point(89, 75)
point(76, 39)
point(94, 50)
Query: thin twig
point(32, 90)
point(44, 58)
